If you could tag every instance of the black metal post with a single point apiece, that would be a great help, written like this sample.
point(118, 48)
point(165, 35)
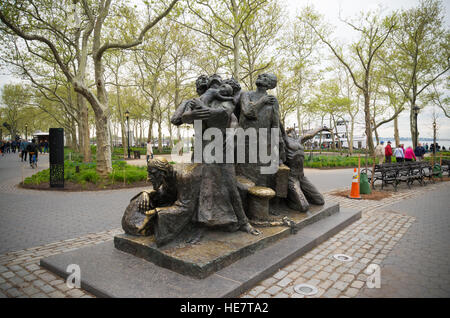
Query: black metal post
point(26, 131)
point(128, 137)
point(434, 139)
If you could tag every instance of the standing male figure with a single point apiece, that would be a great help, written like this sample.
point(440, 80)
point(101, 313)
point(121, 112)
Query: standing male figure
point(260, 110)
point(23, 148)
point(379, 152)
point(419, 152)
point(388, 152)
point(32, 149)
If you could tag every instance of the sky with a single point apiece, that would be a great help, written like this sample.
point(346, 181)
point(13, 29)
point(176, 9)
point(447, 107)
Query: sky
point(349, 8)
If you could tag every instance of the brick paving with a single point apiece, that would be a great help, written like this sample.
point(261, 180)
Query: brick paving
point(371, 240)
point(386, 234)
point(22, 277)
point(368, 240)
point(34, 218)
point(419, 266)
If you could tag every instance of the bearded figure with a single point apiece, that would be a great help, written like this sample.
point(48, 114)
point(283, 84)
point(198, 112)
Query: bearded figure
point(169, 207)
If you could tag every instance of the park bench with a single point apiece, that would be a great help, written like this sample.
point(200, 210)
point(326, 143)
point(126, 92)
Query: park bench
point(445, 166)
point(395, 173)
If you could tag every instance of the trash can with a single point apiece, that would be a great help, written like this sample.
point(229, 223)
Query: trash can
point(364, 186)
point(137, 154)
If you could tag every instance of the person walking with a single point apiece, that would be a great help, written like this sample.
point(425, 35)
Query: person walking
point(388, 152)
point(149, 150)
point(409, 154)
point(399, 154)
point(23, 149)
point(32, 149)
point(419, 152)
point(379, 152)
point(45, 146)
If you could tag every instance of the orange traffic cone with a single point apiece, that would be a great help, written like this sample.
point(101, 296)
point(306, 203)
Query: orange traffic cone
point(354, 193)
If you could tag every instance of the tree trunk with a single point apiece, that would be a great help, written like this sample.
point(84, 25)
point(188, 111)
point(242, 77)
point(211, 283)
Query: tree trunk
point(396, 132)
point(73, 133)
point(333, 141)
point(299, 121)
point(121, 119)
point(368, 122)
point(352, 129)
point(85, 142)
point(376, 134)
point(413, 125)
point(160, 145)
point(104, 162)
point(102, 124)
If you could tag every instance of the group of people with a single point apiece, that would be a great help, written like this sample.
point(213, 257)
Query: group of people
point(24, 148)
point(9, 146)
point(400, 153)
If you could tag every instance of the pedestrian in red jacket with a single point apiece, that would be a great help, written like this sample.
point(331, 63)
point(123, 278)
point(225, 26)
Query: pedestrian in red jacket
point(388, 152)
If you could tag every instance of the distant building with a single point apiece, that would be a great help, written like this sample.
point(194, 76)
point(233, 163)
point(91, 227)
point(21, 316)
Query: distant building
point(326, 139)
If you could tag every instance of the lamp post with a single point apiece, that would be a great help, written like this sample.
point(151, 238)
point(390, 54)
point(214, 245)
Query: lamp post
point(26, 132)
point(434, 139)
point(416, 110)
point(127, 116)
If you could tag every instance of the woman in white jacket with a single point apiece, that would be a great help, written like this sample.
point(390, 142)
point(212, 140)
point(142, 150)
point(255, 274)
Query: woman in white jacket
point(149, 150)
point(399, 154)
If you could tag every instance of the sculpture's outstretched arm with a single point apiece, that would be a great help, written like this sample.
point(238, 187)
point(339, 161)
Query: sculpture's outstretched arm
point(310, 135)
point(176, 118)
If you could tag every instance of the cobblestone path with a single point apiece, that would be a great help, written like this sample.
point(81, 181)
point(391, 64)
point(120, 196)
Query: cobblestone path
point(370, 240)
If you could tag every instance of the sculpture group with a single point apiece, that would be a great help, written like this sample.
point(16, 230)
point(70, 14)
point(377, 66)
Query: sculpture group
point(191, 198)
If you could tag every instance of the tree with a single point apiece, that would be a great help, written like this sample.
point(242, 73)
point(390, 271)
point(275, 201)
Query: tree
point(440, 99)
point(373, 31)
point(331, 102)
point(258, 34)
point(222, 22)
point(14, 99)
point(46, 32)
point(421, 55)
point(350, 109)
point(298, 46)
point(152, 60)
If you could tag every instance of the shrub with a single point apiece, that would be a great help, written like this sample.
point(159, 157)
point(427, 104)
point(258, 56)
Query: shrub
point(89, 176)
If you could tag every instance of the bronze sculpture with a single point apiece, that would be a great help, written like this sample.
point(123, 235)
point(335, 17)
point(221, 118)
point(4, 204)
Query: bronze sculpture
point(301, 192)
point(210, 195)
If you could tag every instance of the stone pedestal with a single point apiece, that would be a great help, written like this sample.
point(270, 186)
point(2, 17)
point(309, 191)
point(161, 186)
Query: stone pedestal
point(216, 249)
point(109, 272)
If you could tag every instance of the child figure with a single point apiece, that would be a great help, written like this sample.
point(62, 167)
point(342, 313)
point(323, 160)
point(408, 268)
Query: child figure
point(223, 93)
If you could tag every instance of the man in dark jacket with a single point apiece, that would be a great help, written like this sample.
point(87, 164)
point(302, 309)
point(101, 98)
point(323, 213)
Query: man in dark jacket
point(23, 149)
point(419, 152)
point(33, 149)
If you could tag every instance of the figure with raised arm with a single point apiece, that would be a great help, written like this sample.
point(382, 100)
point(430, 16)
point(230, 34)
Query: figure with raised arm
point(301, 192)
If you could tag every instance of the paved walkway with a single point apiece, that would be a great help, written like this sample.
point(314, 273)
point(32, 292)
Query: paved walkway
point(37, 224)
point(32, 217)
point(419, 266)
